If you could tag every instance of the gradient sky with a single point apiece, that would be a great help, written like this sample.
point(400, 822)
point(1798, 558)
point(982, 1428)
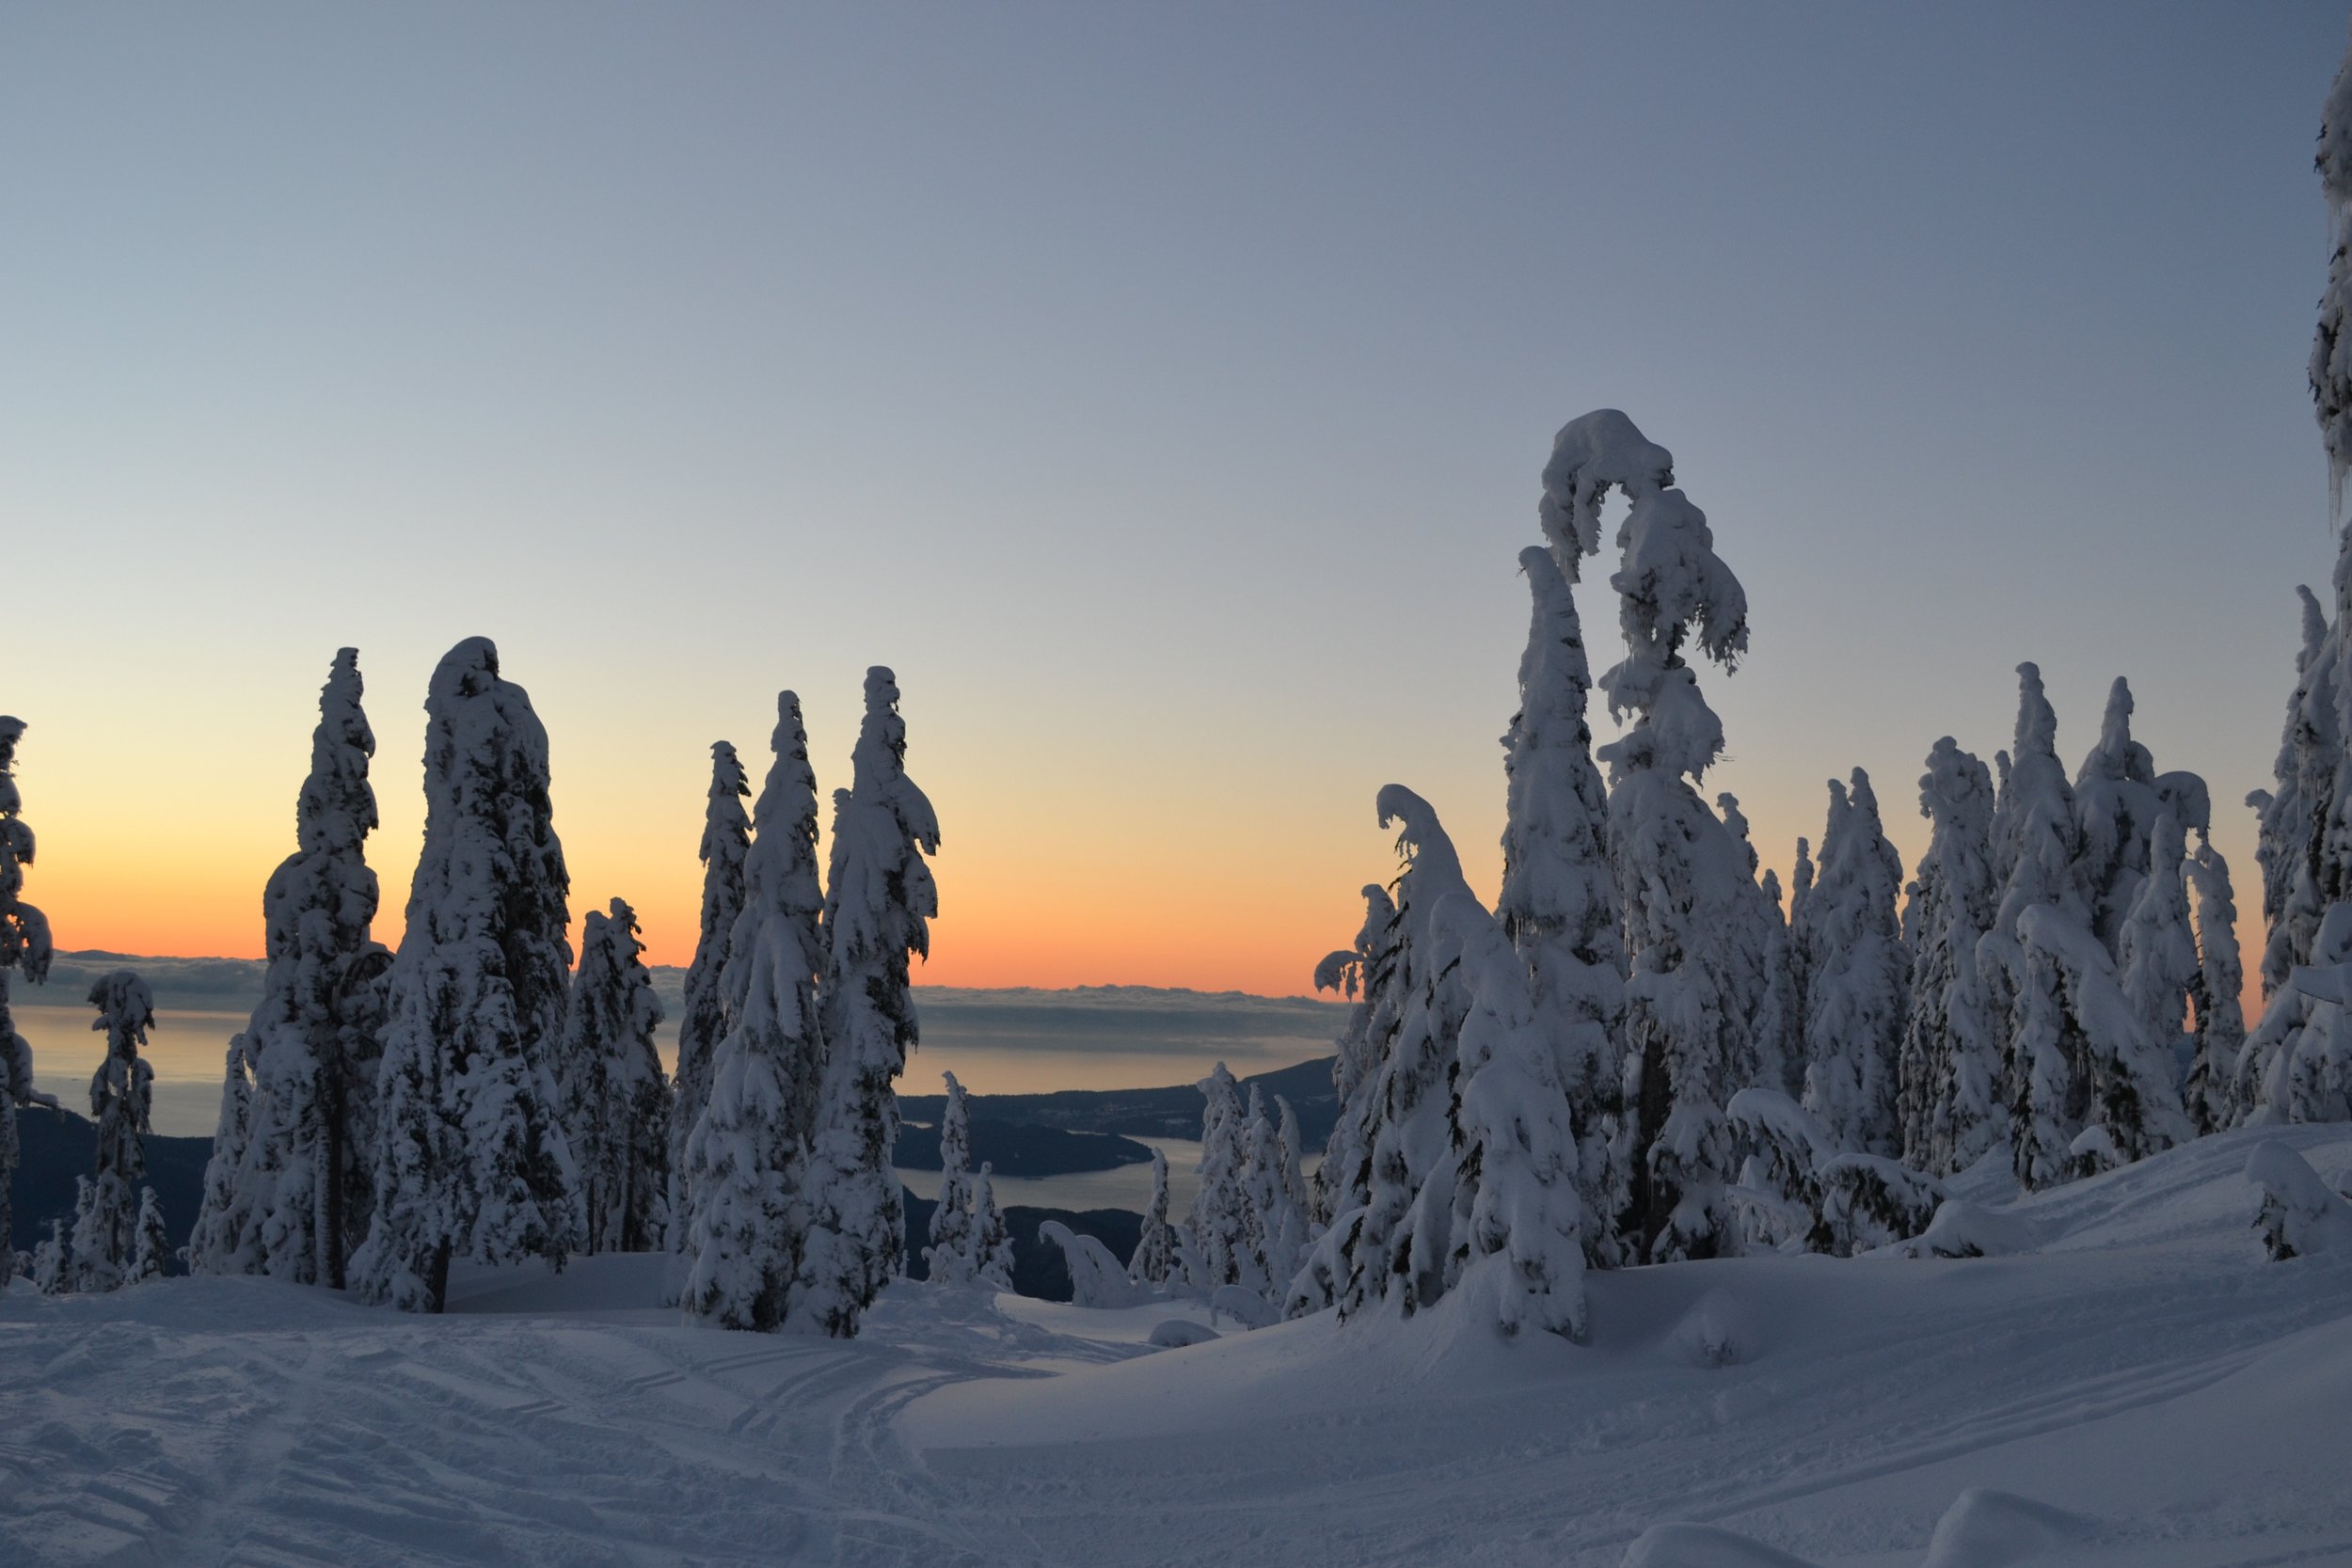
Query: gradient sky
point(1163, 392)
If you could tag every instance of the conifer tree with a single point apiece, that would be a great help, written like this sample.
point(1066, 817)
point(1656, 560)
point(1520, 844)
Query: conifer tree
point(879, 901)
point(1856, 1003)
point(52, 1259)
point(1275, 1222)
point(470, 1156)
point(2291, 819)
point(1368, 975)
point(701, 1021)
point(287, 1190)
point(2156, 946)
point(1220, 1206)
point(1154, 1258)
point(992, 1244)
point(1783, 1020)
point(2217, 1016)
point(2036, 857)
point(1558, 904)
point(616, 1103)
point(1696, 982)
point(122, 1095)
point(1407, 1121)
point(24, 947)
point(1950, 1102)
point(2115, 805)
point(950, 1256)
point(747, 1155)
point(152, 1250)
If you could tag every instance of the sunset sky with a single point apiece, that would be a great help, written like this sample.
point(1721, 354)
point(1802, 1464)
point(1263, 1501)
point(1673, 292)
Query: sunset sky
point(1163, 393)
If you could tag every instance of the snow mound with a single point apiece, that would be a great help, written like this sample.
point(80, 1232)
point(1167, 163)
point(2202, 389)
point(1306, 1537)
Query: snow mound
point(1963, 1229)
point(1705, 1546)
point(1179, 1332)
point(1986, 1528)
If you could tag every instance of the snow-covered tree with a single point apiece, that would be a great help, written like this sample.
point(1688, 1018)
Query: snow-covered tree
point(1276, 1221)
point(950, 1255)
point(2037, 859)
point(122, 1095)
point(1154, 1258)
point(1697, 981)
point(151, 1254)
point(2296, 1065)
point(2291, 819)
point(1856, 1001)
point(702, 1021)
point(470, 1156)
point(1558, 904)
point(616, 1103)
point(992, 1244)
point(879, 901)
point(1368, 975)
point(1220, 1218)
point(24, 947)
point(1290, 1145)
point(1798, 1191)
point(2115, 805)
point(287, 1190)
point(1510, 1201)
point(2217, 1016)
point(1407, 1127)
point(2157, 947)
point(224, 1214)
point(2092, 1072)
point(747, 1155)
point(1949, 1100)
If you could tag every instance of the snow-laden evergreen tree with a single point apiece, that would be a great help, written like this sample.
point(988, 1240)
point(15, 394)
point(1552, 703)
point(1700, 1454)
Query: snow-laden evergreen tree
point(2217, 1016)
point(2092, 1069)
point(1856, 1003)
point(287, 1193)
point(1407, 1127)
point(151, 1253)
point(616, 1103)
point(1697, 982)
point(2157, 947)
point(1509, 1202)
point(1154, 1258)
point(122, 1095)
point(1949, 1099)
point(879, 901)
point(1368, 975)
point(1558, 904)
point(1297, 1193)
point(1801, 958)
point(703, 1019)
point(1274, 1221)
point(224, 1214)
point(471, 1158)
point(1220, 1217)
point(992, 1244)
point(950, 1255)
point(1776, 1044)
point(2037, 859)
point(747, 1155)
point(24, 947)
point(2296, 1065)
point(2115, 805)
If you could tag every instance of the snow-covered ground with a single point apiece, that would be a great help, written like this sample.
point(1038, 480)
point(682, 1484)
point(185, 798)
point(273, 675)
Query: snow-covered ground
point(2140, 1388)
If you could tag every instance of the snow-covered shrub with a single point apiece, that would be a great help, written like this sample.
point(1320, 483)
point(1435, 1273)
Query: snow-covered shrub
point(1799, 1190)
point(152, 1251)
point(1863, 1201)
point(2296, 1214)
point(1154, 1258)
point(1095, 1278)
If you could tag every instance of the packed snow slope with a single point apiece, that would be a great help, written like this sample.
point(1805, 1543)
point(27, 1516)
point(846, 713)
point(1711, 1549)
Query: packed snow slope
point(2136, 1384)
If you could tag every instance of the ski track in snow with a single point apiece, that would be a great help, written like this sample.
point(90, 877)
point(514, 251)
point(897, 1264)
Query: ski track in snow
point(2145, 1367)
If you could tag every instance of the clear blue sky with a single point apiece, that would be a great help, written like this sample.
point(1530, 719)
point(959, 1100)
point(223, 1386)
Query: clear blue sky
point(1162, 391)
